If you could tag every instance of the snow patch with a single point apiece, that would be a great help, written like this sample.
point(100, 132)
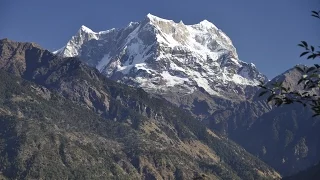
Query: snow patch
point(157, 19)
point(202, 82)
point(59, 50)
point(103, 62)
point(86, 29)
point(186, 56)
point(244, 81)
point(106, 31)
point(172, 80)
point(206, 24)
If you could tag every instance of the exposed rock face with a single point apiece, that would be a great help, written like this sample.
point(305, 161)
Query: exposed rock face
point(165, 57)
point(196, 67)
point(185, 64)
point(60, 119)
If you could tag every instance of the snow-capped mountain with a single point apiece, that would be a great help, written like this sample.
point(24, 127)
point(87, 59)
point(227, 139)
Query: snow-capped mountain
point(163, 56)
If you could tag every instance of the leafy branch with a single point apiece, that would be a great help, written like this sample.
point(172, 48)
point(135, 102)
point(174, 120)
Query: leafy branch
point(310, 79)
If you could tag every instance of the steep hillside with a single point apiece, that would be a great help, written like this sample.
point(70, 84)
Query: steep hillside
point(287, 137)
point(196, 67)
point(62, 119)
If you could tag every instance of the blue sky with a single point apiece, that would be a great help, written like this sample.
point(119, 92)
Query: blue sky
point(264, 32)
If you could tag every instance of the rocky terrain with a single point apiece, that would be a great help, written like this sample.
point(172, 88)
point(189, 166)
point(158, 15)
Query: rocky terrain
point(165, 57)
point(61, 119)
point(196, 68)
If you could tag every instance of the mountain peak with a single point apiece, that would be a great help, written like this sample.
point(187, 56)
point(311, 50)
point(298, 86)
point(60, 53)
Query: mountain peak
point(7, 41)
point(152, 17)
point(86, 29)
point(162, 55)
point(15, 55)
point(207, 24)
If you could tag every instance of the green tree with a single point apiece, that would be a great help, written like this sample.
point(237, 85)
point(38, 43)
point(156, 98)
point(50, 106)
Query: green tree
point(310, 79)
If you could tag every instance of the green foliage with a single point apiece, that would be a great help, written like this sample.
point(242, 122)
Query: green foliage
point(310, 79)
point(40, 120)
point(9, 146)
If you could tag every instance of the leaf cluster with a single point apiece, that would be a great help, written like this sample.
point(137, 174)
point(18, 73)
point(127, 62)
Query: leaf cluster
point(310, 79)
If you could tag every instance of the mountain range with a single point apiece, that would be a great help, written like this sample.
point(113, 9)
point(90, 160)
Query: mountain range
point(156, 99)
point(196, 67)
point(61, 119)
point(165, 57)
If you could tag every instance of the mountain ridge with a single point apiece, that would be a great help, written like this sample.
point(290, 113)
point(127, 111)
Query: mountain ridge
point(92, 127)
point(195, 67)
point(170, 55)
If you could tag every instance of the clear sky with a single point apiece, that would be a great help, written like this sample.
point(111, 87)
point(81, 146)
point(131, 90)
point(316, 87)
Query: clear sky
point(265, 32)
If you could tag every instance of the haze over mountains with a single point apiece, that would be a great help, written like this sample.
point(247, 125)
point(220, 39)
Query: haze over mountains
point(200, 97)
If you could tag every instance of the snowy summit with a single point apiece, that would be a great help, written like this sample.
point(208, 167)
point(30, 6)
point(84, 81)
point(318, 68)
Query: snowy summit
point(163, 56)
